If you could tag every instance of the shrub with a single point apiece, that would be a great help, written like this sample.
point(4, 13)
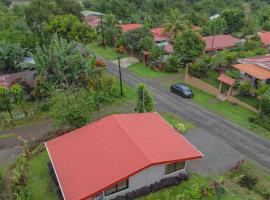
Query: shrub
point(233, 73)
point(248, 181)
point(245, 88)
point(265, 103)
point(145, 102)
point(173, 64)
point(180, 128)
point(201, 67)
point(163, 183)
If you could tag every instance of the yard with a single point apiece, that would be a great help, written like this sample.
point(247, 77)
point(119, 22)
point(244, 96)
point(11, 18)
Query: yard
point(231, 112)
point(107, 53)
point(146, 72)
point(211, 78)
point(250, 100)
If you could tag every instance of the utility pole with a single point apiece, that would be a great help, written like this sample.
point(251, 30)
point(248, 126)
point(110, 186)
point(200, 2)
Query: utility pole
point(102, 31)
point(120, 75)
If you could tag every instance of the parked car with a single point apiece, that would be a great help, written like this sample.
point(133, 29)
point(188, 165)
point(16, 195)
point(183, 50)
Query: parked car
point(182, 90)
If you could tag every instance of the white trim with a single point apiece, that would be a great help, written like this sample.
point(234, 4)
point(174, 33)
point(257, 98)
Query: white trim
point(55, 171)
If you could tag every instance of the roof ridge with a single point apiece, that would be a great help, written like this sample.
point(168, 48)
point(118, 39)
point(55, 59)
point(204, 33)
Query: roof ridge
point(134, 143)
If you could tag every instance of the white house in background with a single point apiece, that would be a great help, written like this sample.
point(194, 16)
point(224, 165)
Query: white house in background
point(117, 155)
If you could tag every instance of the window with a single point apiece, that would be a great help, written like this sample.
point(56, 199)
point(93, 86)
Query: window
point(174, 167)
point(117, 188)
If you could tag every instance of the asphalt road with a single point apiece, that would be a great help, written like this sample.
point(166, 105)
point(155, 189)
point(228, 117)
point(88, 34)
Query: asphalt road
point(239, 139)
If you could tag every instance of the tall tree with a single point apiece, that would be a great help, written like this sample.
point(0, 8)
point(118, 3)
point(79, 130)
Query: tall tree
point(234, 19)
point(175, 23)
point(188, 46)
point(111, 29)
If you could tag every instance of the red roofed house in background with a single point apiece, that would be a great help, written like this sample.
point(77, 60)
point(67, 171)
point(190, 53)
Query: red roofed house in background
point(128, 27)
point(255, 68)
point(160, 35)
point(92, 18)
point(265, 38)
point(118, 154)
point(219, 42)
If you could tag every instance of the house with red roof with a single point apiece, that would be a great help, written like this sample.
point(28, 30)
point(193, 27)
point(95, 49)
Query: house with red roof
point(255, 68)
point(219, 42)
point(92, 18)
point(265, 38)
point(160, 35)
point(128, 27)
point(213, 43)
point(117, 155)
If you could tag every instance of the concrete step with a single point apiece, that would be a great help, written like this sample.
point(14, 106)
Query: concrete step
point(221, 97)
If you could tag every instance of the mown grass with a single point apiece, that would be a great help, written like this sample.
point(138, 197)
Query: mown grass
point(108, 53)
point(142, 70)
point(233, 113)
point(211, 78)
point(174, 120)
point(250, 100)
point(39, 182)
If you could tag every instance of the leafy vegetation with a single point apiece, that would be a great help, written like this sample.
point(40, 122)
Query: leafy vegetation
point(145, 101)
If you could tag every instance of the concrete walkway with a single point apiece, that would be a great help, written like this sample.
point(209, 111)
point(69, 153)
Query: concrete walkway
point(126, 62)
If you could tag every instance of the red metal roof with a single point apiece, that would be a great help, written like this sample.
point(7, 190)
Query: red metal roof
point(219, 42)
point(99, 155)
point(160, 34)
point(254, 70)
point(169, 48)
point(93, 21)
point(226, 79)
point(129, 27)
point(265, 37)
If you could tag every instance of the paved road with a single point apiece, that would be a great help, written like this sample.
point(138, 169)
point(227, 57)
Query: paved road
point(228, 134)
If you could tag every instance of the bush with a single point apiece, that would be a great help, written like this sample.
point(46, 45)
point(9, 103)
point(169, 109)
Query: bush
point(180, 128)
point(166, 182)
point(72, 109)
point(145, 102)
point(248, 181)
point(233, 73)
point(245, 88)
point(173, 64)
point(265, 103)
point(200, 68)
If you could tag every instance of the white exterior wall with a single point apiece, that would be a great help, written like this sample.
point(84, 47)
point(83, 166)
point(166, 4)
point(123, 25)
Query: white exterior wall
point(144, 178)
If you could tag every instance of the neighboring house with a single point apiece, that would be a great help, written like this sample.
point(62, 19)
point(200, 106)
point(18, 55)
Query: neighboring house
point(255, 68)
point(160, 35)
point(128, 27)
point(25, 78)
point(219, 42)
point(118, 154)
point(92, 18)
point(265, 38)
point(213, 43)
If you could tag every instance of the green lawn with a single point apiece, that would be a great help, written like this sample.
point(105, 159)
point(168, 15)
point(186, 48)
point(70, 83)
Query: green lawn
point(211, 78)
point(146, 72)
point(108, 53)
point(174, 120)
point(250, 100)
point(39, 181)
point(234, 113)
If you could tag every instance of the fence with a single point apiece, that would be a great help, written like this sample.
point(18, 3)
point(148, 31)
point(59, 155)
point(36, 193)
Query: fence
point(197, 83)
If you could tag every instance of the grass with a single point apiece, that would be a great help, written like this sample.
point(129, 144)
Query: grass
point(234, 113)
point(211, 78)
point(39, 181)
point(6, 136)
point(142, 70)
point(250, 100)
point(174, 120)
point(108, 53)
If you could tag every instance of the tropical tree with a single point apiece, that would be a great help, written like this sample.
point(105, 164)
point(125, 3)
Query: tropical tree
point(111, 29)
point(214, 27)
point(145, 102)
point(234, 19)
point(189, 46)
point(70, 28)
point(175, 23)
point(64, 65)
point(11, 56)
point(5, 101)
point(18, 96)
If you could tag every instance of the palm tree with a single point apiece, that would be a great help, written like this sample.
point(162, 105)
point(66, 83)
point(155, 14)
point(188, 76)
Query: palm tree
point(175, 23)
point(111, 29)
